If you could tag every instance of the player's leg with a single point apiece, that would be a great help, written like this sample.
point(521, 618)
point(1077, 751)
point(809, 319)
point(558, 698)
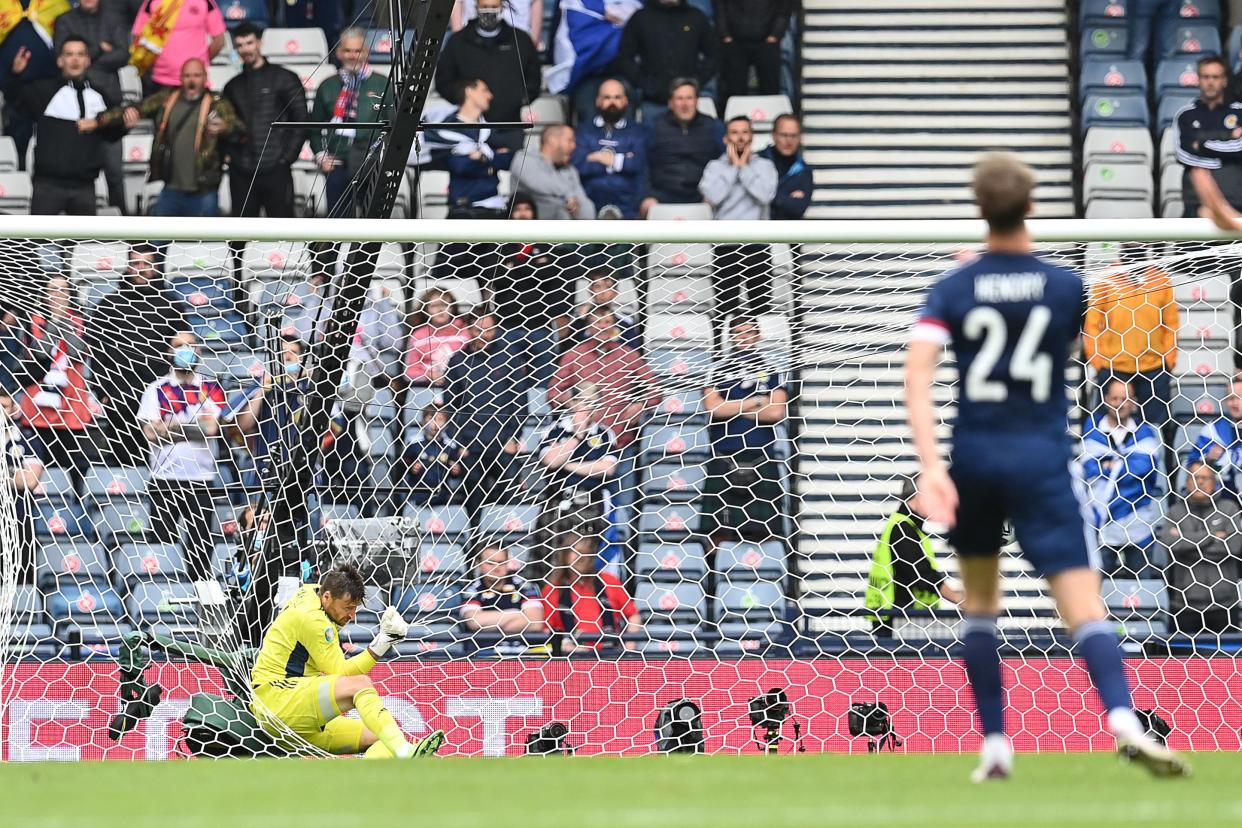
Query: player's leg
point(358, 693)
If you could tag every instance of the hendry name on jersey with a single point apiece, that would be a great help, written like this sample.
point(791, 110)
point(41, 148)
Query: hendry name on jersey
point(1010, 287)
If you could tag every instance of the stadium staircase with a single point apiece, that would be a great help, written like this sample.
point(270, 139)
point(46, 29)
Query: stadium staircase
point(899, 97)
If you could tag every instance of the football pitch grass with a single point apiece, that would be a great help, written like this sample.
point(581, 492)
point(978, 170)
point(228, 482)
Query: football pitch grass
point(887, 791)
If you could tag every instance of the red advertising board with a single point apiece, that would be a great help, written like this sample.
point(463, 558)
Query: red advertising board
point(61, 711)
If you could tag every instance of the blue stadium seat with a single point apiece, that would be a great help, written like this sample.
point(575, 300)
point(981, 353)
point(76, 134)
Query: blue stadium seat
point(1175, 75)
point(750, 603)
point(748, 638)
point(152, 601)
point(56, 485)
point(420, 602)
point(1101, 12)
point(79, 560)
point(681, 367)
point(150, 561)
point(508, 520)
point(681, 404)
point(237, 12)
point(1170, 104)
point(116, 481)
point(445, 521)
point(1141, 606)
point(30, 639)
point(1104, 41)
point(680, 605)
point(117, 517)
point(379, 41)
point(1234, 49)
point(670, 521)
point(1203, 11)
point(1197, 39)
point(1115, 109)
point(98, 638)
point(86, 600)
point(226, 329)
point(63, 520)
point(436, 561)
point(751, 560)
point(202, 291)
point(670, 561)
point(685, 441)
point(1112, 75)
point(675, 481)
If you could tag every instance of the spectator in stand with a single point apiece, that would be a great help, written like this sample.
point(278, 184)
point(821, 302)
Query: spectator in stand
point(523, 15)
point(1130, 332)
point(27, 25)
point(740, 186)
point(261, 165)
point(169, 33)
point(25, 460)
point(584, 43)
point(611, 152)
point(186, 153)
point(904, 572)
point(438, 330)
point(58, 405)
point(750, 37)
point(180, 414)
point(131, 328)
point(1203, 137)
point(354, 95)
point(682, 143)
point(746, 400)
point(473, 154)
point(69, 154)
point(550, 177)
point(14, 353)
point(433, 462)
point(379, 345)
point(602, 285)
point(663, 41)
point(107, 40)
point(486, 390)
point(795, 180)
point(504, 58)
point(1143, 19)
point(625, 382)
point(579, 453)
point(501, 602)
point(530, 290)
point(1219, 444)
point(580, 600)
point(1203, 533)
point(1121, 466)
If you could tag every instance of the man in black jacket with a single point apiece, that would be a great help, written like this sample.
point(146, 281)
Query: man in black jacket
point(664, 40)
point(491, 50)
point(683, 141)
point(796, 181)
point(260, 166)
point(68, 156)
point(750, 35)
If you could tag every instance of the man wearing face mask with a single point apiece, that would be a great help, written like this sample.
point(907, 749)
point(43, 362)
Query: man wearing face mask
point(179, 414)
point(611, 152)
point(503, 57)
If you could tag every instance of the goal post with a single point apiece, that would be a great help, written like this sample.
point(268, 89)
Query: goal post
point(598, 466)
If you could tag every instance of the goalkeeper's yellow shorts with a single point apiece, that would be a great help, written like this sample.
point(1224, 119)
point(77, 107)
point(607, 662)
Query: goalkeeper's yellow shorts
point(306, 706)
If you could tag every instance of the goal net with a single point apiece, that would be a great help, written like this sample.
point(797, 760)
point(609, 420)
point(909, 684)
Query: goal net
point(598, 467)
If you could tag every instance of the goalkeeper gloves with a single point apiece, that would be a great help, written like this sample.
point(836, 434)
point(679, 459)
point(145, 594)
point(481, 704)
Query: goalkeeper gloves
point(392, 628)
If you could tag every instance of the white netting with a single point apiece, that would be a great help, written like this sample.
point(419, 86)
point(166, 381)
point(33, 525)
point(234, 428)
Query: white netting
point(703, 423)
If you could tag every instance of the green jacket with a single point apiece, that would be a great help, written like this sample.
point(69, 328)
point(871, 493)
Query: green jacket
point(906, 562)
point(371, 106)
point(209, 165)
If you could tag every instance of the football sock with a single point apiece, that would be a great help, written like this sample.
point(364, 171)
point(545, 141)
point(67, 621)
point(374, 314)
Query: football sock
point(981, 652)
point(380, 722)
point(377, 751)
point(1098, 646)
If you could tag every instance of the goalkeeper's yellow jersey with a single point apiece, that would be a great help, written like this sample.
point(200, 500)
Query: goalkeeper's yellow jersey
point(303, 641)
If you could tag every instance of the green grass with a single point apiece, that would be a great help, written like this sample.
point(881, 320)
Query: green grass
point(667, 792)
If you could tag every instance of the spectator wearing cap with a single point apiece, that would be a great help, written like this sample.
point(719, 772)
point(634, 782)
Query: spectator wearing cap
point(167, 33)
point(611, 152)
point(663, 41)
point(551, 178)
point(180, 414)
point(503, 57)
point(682, 143)
point(795, 180)
point(750, 38)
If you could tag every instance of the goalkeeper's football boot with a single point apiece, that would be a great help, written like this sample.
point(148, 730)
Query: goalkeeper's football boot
point(429, 745)
point(995, 760)
point(1161, 762)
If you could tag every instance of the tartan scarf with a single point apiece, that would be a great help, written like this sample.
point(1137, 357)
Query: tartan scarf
point(150, 44)
point(345, 110)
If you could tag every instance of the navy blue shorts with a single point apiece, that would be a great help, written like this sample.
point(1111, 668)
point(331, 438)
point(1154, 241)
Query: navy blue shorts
point(1028, 480)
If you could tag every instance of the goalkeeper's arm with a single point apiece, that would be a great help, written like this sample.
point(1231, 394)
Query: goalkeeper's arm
point(326, 652)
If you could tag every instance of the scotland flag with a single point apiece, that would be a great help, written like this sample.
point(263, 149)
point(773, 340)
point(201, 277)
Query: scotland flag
point(586, 39)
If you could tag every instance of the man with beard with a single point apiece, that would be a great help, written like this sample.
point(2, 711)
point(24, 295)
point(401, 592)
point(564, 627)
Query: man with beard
point(611, 153)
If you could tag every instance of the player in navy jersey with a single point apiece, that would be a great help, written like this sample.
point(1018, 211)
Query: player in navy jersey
point(1012, 320)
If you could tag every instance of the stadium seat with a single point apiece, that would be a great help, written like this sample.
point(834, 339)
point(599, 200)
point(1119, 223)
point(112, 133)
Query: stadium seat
point(150, 561)
point(433, 193)
point(136, 153)
point(1104, 41)
point(1117, 181)
point(544, 110)
point(674, 481)
point(751, 560)
point(665, 260)
point(274, 260)
point(707, 105)
point(1176, 74)
point(295, 46)
point(1169, 105)
point(681, 404)
point(508, 520)
point(762, 110)
point(62, 520)
point(99, 260)
point(83, 601)
point(698, 211)
point(668, 521)
point(1191, 39)
point(166, 601)
point(757, 601)
point(670, 561)
point(8, 154)
point(1234, 54)
point(682, 604)
point(437, 561)
point(1138, 605)
point(676, 294)
point(1173, 208)
point(379, 42)
point(1171, 183)
point(218, 76)
point(329, 512)
point(1120, 144)
point(445, 521)
point(312, 76)
point(211, 258)
point(73, 559)
point(1101, 12)
point(681, 330)
point(1118, 208)
point(684, 441)
point(1115, 109)
point(55, 485)
point(1204, 361)
point(681, 368)
point(1108, 75)
point(1204, 11)
point(421, 602)
point(200, 292)
point(119, 518)
point(212, 330)
point(131, 84)
point(15, 193)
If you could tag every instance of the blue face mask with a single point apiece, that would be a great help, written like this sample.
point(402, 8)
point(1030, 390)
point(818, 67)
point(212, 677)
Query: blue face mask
point(185, 358)
point(293, 368)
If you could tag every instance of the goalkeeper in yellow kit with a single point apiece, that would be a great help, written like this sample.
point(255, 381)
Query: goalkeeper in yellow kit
point(303, 683)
